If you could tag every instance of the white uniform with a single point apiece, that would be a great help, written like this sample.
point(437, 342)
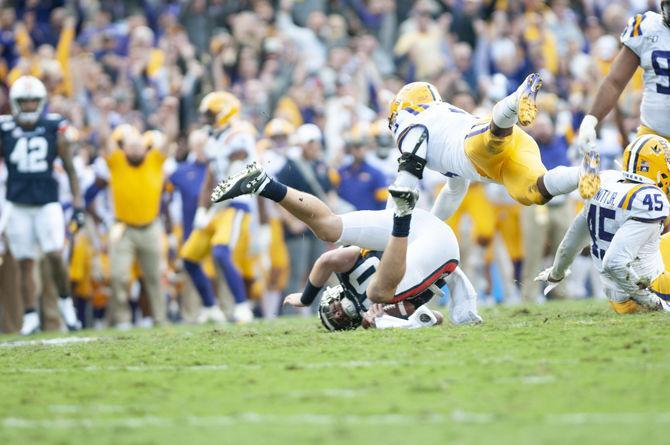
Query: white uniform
point(443, 148)
point(221, 146)
point(649, 38)
point(623, 221)
point(432, 253)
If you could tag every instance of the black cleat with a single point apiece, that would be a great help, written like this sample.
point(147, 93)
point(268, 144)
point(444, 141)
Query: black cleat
point(249, 181)
point(405, 199)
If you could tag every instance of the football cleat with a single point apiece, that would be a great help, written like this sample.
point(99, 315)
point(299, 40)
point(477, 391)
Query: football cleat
point(242, 313)
point(68, 314)
point(251, 180)
point(212, 314)
point(404, 198)
point(526, 94)
point(31, 324)
point(589, 179)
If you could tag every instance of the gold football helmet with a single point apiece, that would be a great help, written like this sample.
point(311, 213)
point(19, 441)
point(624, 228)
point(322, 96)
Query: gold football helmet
point(647, 160)
point(412, 96)
point(219, 107)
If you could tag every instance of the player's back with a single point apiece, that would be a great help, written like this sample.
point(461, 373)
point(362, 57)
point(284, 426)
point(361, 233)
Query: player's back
point(447, 127)
point(649, 38)
point(618, 201)
point(29, 155)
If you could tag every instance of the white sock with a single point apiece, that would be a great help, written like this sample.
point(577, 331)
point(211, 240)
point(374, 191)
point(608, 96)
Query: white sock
point(504, 113)
point(561, 180)
point(270, 304)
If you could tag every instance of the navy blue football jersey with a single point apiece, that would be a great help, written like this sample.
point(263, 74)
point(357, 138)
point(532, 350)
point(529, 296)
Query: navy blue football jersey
point(357, 280)
point(29, 155)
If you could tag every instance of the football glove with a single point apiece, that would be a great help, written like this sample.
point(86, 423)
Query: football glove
point(586, 139)
point(551, 281)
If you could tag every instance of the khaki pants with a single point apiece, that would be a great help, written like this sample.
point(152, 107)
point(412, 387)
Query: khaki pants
point(127, 243)
point(541, 225)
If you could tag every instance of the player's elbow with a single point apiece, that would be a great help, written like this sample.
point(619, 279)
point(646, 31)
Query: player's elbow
point(379, 294)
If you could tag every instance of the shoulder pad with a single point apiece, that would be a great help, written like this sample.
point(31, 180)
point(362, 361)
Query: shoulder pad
point(646, 203)
point(5, 117)
point(54, 117)
point(637, 30)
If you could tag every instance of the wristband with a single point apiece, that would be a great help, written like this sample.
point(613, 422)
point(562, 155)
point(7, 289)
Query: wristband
point(310, 293)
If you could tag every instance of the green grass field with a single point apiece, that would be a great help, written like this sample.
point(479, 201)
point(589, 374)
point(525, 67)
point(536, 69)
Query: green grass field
point(567, 372)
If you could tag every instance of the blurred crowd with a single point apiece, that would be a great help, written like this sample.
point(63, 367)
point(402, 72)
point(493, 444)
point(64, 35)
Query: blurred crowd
point(314, 79)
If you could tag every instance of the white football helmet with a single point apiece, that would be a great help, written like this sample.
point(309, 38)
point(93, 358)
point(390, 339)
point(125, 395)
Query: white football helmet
point(27, 88)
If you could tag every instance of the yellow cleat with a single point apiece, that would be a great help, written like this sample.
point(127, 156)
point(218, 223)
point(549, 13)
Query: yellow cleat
point(589, 180)
point(527, 108)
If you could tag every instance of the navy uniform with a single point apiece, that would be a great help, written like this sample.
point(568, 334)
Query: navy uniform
point(34, 216)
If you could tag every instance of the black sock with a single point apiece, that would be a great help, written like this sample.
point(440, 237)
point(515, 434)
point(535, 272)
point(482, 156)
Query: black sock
point(401, 225)
point(64, 296)
point(275, 191)
point(29, 311)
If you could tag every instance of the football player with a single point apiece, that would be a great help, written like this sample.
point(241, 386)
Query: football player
point(646, 43)
point(623, 223)
point(412, 267)
point(225, 229)
point(30, 142)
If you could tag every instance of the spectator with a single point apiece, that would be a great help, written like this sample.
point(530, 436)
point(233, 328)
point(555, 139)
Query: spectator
point(136, 182)
point(361, 184)
point(307, 173)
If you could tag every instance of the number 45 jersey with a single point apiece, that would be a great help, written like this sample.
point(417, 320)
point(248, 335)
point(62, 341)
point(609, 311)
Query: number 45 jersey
point(29, 155)
point(617, 202)
point(649, 38)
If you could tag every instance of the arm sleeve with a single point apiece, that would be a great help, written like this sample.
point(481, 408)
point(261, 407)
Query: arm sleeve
point(414, 139)
point(623, 250)
point(575, 239)
point(450, 197)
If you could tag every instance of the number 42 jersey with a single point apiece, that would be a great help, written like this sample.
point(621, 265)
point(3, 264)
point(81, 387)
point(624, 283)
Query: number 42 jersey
point(29, 155)
point(649, 38)
point(617, 202)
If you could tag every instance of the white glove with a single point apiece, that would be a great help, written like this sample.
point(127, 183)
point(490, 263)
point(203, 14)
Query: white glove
point(586, 139)
point(551, 281)
point(201, 219)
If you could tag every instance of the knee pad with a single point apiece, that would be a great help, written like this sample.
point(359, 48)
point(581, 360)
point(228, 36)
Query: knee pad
point(412, 164)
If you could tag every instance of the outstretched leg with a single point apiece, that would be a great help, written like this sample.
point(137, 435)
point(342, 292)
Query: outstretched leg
point(368, 227)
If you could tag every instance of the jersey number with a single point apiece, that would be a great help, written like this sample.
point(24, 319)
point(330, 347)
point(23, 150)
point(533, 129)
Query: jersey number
point(360, 277)
point(657, 204)
point(660, 71)
point(596, 222)
point(30, 155)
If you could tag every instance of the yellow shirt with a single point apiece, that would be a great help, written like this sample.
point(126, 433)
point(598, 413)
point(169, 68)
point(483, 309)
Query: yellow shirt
point(136, 191)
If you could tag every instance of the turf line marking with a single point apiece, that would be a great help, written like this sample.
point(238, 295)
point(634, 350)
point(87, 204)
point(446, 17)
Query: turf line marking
point(320, 365)
point(49, 342)
point(326, 419)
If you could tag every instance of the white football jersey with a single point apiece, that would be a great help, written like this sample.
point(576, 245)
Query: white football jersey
point(618, 201)
point(447, 128)
point(221, 146)
point(648, 37)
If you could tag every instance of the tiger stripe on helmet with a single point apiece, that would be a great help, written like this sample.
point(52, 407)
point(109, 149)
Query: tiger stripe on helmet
point(635, 153)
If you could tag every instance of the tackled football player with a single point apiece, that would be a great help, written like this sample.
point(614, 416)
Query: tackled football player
point(623, 223)
point(413, 266)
